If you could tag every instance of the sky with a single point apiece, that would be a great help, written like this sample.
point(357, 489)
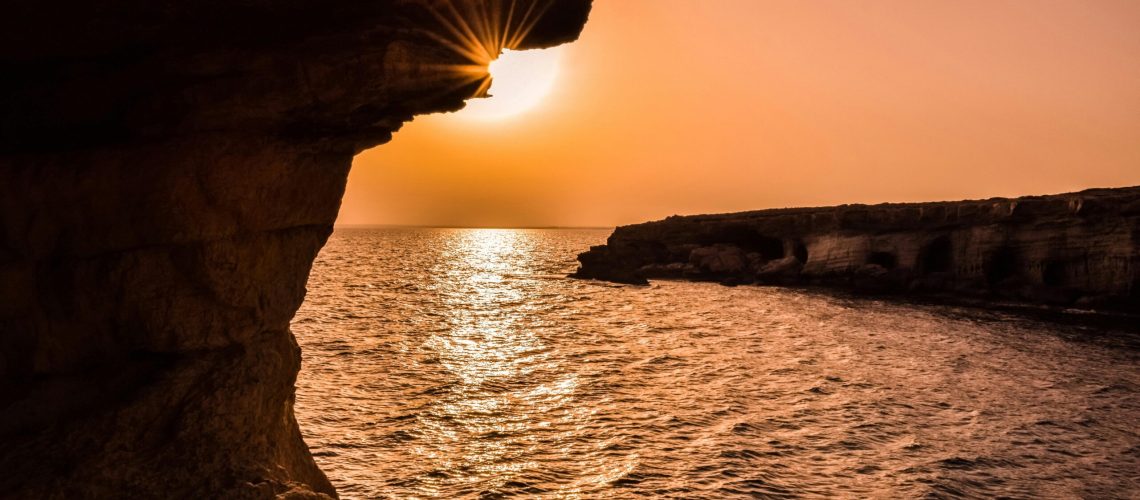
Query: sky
point(670, 107)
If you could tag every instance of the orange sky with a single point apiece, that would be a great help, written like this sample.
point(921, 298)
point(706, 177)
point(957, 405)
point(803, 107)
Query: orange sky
point(679, 106)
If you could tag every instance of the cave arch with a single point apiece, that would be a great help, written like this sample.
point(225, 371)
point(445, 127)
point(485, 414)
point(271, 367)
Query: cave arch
point(170, 290)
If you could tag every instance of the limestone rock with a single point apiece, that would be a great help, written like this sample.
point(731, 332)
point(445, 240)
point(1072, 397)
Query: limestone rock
point(168, 172)
point(1076, 249)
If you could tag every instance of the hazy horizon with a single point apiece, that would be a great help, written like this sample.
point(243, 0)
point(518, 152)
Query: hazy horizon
point(343, 225)
point(746, 105)
point(452, 226)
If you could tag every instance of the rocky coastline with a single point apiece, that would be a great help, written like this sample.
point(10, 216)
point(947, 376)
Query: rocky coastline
point(1079, 250)
point(168, 172)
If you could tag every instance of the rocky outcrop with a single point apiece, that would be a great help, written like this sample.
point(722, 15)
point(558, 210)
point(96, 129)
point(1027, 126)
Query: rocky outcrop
point(168, 172)
point(1079, 249)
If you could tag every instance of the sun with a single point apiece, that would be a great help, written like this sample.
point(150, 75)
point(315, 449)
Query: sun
point(520, 81)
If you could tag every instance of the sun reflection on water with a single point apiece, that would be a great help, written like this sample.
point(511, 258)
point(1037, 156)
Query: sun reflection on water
point(487, 421)
point(445, 363)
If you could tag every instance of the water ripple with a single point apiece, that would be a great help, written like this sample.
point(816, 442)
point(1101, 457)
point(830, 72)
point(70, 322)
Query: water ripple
point(459, 363)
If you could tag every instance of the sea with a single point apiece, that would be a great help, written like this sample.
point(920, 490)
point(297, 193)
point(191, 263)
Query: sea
point(463, 363)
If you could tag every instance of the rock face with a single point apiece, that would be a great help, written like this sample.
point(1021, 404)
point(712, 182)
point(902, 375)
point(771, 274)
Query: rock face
point(1079, 249)
point(168, 172)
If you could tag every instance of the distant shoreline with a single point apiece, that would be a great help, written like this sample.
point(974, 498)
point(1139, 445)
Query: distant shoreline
point(1073, 250)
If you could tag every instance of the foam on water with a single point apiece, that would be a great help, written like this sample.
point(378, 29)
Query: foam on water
point(452, 363)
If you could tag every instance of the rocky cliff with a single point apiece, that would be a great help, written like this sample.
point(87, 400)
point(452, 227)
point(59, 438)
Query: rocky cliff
point(168, 172)
point(1078, 249)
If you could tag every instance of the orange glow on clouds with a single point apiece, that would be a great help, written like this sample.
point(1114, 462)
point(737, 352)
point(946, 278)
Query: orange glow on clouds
point(674, 106)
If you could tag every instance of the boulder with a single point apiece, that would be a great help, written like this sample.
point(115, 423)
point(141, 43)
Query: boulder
point(783, 271)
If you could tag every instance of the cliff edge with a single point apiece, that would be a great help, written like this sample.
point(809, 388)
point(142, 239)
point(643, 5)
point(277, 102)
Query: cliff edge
point(1075, 250)
point(168, 172)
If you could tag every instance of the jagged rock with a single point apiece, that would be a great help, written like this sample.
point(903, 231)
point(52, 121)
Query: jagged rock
point(674, 270)
point(616, 272)
point(168, 172)
point(877, 278)
point(1078, 249)
point(785, 271)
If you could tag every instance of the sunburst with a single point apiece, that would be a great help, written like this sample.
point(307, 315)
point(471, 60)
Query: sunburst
point(480, 31)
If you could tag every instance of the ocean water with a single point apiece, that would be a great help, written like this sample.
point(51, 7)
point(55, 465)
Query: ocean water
point(450, 363)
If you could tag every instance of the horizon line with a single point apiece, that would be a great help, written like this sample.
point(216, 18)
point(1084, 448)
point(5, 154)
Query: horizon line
point(450, 226)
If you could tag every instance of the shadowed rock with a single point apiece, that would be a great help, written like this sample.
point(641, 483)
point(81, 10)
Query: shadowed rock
point(1078, 249)
point(168, 172)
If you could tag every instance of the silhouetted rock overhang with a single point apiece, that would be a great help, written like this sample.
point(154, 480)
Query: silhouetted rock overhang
point(168, 171)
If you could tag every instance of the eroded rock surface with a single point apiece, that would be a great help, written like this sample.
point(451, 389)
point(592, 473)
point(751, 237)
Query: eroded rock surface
point(168, 172)
point(1078, 249)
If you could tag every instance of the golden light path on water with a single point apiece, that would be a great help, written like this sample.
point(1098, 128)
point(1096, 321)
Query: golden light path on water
point(481, 347)
point(451, 363)
point(485, 347)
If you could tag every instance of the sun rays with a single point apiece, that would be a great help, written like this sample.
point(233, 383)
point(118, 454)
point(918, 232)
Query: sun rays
point(522, 80)
point(480, 31)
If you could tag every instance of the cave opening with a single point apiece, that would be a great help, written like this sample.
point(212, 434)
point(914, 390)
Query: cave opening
point(937, 256)
point(1002, 264)
point(751, 240)
point(800, 252)
point(1055, 273)
point(886, 260)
